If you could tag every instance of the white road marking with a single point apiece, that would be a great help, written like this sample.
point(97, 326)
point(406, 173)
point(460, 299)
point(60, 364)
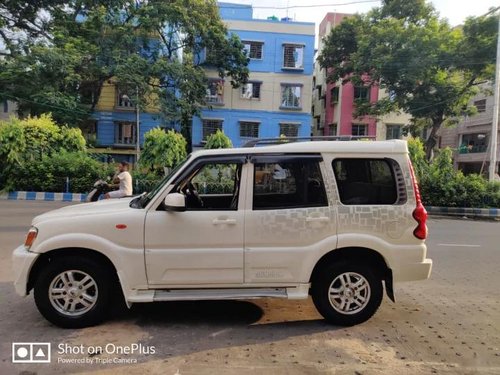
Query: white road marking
point(457, 245)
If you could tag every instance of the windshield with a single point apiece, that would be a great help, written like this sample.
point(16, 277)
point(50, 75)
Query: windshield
point(146, 198)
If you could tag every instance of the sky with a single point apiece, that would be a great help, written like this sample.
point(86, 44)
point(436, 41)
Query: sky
point(456, 11)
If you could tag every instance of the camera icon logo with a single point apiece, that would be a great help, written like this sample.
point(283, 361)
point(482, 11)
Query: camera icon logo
point(31, 352)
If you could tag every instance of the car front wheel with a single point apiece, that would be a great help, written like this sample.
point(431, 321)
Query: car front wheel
point(347, 294)
point(73, 292)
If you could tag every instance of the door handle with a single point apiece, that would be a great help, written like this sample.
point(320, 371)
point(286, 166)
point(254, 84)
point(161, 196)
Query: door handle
point(320, 219)
point(224, 221)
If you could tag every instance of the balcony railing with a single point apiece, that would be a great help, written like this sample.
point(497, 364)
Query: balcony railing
point(214, 99)
point(472, 149)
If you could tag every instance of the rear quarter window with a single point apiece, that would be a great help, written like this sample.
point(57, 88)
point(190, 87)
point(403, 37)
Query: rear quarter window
point(369, 181)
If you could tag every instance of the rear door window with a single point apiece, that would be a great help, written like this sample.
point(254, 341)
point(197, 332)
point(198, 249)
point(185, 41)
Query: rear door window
point(366, 181)
point(288, 183)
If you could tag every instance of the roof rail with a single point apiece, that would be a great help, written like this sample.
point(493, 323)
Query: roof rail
point(281, 140)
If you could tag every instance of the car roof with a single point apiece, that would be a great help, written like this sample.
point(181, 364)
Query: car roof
point(359, 147)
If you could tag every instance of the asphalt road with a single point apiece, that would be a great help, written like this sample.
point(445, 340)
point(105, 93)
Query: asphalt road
point(449, 324)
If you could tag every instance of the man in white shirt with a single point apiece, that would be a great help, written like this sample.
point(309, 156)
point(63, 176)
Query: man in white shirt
point(124, 179)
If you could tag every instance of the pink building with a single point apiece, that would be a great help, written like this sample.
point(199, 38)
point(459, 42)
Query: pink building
point(333, 104)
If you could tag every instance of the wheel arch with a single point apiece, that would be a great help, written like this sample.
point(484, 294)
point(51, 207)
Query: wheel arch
point(46, 258)
point(361, 255)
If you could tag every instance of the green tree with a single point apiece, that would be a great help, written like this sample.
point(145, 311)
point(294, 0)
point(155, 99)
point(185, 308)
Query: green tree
point(430, 68)
point(162, 150)
point(60, 62)
point(218, 140)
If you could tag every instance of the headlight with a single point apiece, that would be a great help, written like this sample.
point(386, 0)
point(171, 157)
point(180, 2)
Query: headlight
point(30, 238)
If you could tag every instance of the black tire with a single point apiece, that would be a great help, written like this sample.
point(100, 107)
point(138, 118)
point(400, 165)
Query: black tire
point(98, 290)
point(330, 277)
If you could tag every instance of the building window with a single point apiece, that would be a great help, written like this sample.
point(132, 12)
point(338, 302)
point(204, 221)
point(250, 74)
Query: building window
point(293, 56)
point(210, 127)
point(125, 133)
point(393, 131)
point(253, 49)
point(334, 95)
point(251, 90)
point(5, 106)
point(362, 93)
point(249, 129)
point(359, 130)
point(480, 105)
point(215, 92)
point(289, 130)
point(332, 129)
point(291, 96)
point(473, 143)
point(124, 99)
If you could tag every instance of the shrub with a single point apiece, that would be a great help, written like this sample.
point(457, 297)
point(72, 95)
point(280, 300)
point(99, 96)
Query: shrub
point(162, 150)
point(50, 173)
point(24, 143)
point(218, 140)
point(442, 185)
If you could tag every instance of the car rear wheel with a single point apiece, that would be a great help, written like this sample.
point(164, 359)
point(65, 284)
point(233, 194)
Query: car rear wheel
point(346, 293)
point(73, 292)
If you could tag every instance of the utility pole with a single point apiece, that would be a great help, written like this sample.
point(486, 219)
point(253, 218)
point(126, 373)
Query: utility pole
point(494, 124)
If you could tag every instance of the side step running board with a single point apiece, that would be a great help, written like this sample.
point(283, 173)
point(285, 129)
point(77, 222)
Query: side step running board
point(217, 294)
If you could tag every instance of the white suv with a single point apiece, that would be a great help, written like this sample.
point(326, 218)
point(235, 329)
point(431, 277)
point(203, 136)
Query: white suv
point(334, 220)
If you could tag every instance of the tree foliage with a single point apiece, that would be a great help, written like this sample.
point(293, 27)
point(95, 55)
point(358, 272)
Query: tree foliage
point(60, 54)
point(218, 140)
point(162, 150)
point(431, 69)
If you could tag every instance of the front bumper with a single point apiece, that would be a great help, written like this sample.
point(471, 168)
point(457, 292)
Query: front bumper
point(22, 261)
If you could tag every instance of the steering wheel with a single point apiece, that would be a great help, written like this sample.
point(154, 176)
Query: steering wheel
point(193, 198)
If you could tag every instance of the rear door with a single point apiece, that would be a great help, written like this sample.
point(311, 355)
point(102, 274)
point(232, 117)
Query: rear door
point(287, 215)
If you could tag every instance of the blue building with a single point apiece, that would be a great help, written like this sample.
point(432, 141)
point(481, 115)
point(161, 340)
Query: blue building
point(277, 99)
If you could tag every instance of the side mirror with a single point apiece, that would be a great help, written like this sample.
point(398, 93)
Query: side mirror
point(175, 202)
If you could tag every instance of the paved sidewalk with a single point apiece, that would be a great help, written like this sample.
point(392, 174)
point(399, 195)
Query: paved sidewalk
point(493, 213)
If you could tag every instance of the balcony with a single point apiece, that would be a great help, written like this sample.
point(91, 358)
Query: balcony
point(214, 99)
point(472, 149)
